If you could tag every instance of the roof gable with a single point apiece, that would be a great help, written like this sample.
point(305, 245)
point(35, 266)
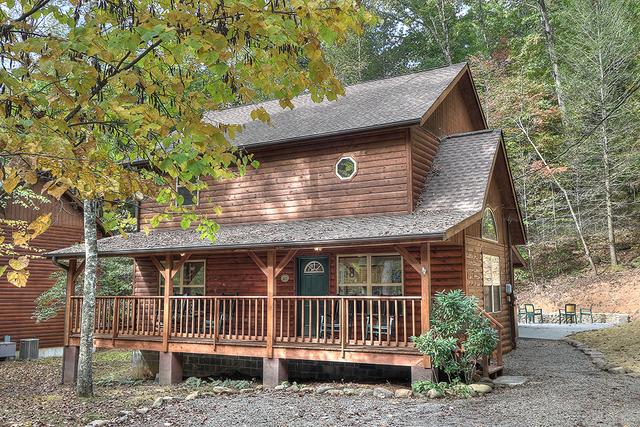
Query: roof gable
point(380, 103)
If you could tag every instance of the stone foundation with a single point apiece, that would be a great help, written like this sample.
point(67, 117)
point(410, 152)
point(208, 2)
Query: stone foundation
point(204, 365)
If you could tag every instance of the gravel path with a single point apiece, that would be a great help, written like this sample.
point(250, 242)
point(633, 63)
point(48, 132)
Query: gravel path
point(564, 388)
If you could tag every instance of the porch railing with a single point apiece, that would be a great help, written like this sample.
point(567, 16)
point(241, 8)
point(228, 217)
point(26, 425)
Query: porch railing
point(338, 321)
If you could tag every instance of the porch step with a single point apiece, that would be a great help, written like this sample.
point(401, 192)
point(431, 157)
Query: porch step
point(495, 371)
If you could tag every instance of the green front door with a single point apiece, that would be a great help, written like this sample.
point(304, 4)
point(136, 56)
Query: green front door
point(313, 280)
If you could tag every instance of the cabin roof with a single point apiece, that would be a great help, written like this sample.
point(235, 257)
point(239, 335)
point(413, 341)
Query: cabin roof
point(454, 192)
point(369, 105)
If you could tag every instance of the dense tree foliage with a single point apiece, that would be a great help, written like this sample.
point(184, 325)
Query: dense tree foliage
point(561, 78)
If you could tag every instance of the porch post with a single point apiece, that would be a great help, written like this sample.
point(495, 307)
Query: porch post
point(70, 353)
point(168, 291)
point(425, 301)
point(271, 292)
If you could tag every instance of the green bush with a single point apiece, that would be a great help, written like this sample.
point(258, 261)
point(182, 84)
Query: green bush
point(459, 336)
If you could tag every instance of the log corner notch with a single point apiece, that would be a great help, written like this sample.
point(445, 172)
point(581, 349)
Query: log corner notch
point(168, 270)
point(271, 271)
point(423, 268)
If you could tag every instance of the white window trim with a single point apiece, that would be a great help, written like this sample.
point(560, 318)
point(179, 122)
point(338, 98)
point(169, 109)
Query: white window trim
point(321, 270)
point(495, 224)
point(499, 286)
point(369, 285)
point(355, 168)
point(197, 194)
point(204, 284)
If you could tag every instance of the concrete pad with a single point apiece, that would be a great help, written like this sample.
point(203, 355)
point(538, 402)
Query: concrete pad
point(554, 331)
point(510, 380)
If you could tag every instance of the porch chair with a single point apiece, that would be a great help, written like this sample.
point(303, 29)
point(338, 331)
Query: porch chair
point(522, 313)
point(568, 314)
point(381, 328)
point(531, 312)
point(586, 312)
point(336, 320)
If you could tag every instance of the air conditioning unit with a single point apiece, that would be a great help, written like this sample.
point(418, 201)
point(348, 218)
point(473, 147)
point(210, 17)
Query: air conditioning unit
point(7, 348)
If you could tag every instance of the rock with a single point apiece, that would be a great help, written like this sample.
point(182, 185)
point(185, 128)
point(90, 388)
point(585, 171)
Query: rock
point(350, 391)
point(481, 388)
point(510, 381)
point(247, 390)
point(365, 392)
point(126, 413)
point(280, 387)
point(158, 402)
point(403, 393)
point(192, 396)
point(434, 394)
point(294, 388)
point(335, 392)
point(259, 387)
point(142, 410)
point(224, 390)
point(324, 388)
point(382, 393)
point(98, 423)
point(617, 370)
point(307, 389)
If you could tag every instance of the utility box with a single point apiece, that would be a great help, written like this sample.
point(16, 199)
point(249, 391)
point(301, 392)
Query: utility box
point(7, 348)
point(29, 348)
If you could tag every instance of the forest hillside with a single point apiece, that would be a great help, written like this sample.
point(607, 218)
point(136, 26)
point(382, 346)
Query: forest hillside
point(561, 78)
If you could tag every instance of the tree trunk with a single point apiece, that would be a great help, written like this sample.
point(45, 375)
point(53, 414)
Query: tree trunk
point(606, 169)
point(585, 247)
point(553, 57)
point(84, 385)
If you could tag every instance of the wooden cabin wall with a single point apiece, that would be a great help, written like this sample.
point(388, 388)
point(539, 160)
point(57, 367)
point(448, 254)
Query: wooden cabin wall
point(236, 273)
point(299, 182)
point(459, 111)
point(424, 146)
point(18, 304)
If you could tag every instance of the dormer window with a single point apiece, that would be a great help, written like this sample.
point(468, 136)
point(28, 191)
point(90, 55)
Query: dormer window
point(346, 168)
point(489, 229)
point(190, 198)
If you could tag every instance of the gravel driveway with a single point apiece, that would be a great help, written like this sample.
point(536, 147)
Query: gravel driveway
point(564, 388)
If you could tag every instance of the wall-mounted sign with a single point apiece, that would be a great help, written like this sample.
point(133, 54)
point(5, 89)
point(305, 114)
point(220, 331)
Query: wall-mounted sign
point(284, 278)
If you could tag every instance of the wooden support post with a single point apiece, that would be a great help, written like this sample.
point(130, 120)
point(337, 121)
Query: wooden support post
point(116, 320)
point(168, 291)
point(71, 273)
point(425, 286)
point(271, 292)
point(170, 368)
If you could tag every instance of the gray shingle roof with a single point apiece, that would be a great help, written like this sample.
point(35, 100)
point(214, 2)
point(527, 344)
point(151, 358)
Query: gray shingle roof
point(366, 105)
point(455, 191)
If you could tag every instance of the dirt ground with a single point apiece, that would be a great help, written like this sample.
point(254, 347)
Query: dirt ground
point(31, 394)
point(620, 344)
point(609, 292)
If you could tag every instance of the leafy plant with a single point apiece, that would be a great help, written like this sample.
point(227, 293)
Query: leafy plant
point(459, 336)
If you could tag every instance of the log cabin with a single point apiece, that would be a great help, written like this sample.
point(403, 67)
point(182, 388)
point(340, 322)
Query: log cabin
point(329, 252)
point(17, 305)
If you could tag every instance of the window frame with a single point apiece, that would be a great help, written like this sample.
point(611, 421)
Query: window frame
point(355, 168)
point(495, 225)
point(181, 273)
point(492, 305)
point(369, 285)
point(197, 195)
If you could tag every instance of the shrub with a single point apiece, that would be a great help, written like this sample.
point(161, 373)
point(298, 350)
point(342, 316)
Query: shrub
point(459, 336)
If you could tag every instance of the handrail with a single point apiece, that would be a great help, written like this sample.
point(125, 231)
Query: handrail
point(492, 319)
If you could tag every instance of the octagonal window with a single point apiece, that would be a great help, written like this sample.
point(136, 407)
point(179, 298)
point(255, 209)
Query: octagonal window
point(346, 168)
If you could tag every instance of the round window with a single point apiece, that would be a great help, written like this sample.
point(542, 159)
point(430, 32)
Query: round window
point(346, 168)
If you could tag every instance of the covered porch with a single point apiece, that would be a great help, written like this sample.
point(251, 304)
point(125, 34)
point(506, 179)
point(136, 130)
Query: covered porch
point(355, 303)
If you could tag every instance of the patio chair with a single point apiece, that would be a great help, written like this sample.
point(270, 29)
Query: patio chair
point(531, 312)
point(586, 312)
point(568, 314)
point(335, 326)
point(522, 313)
point(383, 322)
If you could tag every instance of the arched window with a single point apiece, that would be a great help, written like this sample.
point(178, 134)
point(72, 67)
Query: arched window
point(313, 267)
point(489, 229)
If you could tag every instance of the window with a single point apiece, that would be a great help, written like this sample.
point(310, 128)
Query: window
point(370, 275)
point(189, 197)
point(314, 267)
point(491, 282)
point(190, 280)
point(346, 168)
point(489, 229)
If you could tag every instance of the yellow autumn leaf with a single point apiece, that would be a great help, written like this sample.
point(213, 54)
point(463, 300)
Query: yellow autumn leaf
point(39, 225)
point(2, 238)
point(20, 238)
point(19, 263)
point(30, 177)
point(11, 181)
point(58, 190)
point(18, 278)
point(3, 268)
